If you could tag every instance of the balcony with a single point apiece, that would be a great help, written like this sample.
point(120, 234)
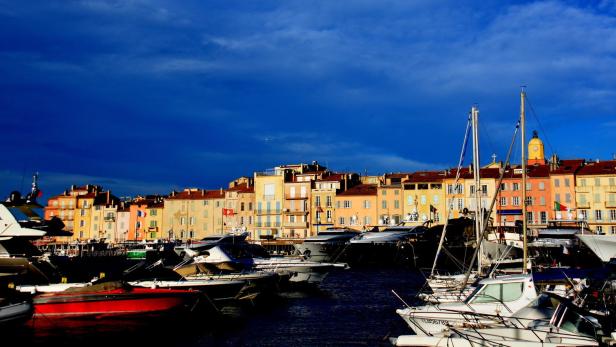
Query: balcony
point(296, 224)
point(581, 189)
point(109, 219)
point(295, 212)
point(584, 204)
point(295, 197)
point(267, 224)
point(267, 212)
point(153, 229)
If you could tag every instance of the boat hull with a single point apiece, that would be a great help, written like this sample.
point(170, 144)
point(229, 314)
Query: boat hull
point(603, 246)
point(113, 303)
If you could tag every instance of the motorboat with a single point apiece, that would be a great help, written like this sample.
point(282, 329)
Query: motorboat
point(559, 243)
point(112, 299)
point(193, 248)
point(15, 308)
point(549, 320)
point(327, 245)
point(501, 296)
point(247, 257)
point(603, 246)
point(396, 244)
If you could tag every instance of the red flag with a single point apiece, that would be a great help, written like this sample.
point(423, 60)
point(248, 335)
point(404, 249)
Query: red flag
point(227, 212)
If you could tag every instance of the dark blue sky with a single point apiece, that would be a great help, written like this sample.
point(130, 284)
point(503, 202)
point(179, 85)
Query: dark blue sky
point(145, 96)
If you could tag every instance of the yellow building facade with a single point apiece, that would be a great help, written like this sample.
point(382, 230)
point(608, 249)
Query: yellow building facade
point(596, 195)
point(424, 197)
point(357, 208)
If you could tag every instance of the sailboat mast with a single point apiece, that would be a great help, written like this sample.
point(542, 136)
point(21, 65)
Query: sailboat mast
point(478, 214)
point(524, 218)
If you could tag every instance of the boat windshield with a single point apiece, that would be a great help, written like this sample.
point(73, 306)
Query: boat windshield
point(25, 214)
point(575, 323)
point(496, 292)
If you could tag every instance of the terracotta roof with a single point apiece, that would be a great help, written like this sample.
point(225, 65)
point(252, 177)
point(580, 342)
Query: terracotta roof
point(568, 166)
point(242, 188)
point(197, 194)
point(426, 176)
point(334, 177)
point(607, 167)
point(361, 189)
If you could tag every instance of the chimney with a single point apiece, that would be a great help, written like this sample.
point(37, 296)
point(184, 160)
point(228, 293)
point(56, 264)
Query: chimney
point(108, 196)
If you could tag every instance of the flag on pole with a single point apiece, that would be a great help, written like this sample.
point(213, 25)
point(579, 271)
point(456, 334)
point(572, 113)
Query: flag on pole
point(559, 207)
point(141, 213)
point(227, 212)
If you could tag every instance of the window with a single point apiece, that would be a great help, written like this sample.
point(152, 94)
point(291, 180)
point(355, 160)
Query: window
point(409, 200)
point(328, 201)
point(529, 186)
point(599, 229)
point(302, 191)
point(597, 181)
point(396, 204)
point(498, 292)
point(384, 192)
point(384, 204)
point(541, 186)
point(277, 206)
point(347, 203)
point(241, 206)
point(516, 186)
point(567, 182)
point(366, 203)
point(292, 219)
point(367, 220)
point(598, 215)
point(435, 199)
point(503, 201)
point(341, 220)
point(556, 182)
point(542, 201)
point(515, 200)
point(567, 197)
point(484, 189)
point(95, 226)
point(317, 201)
point(460, 204)
point(191, 221)
point(612, 180)
point(396, 192)
point(328, 215)
point(138, 224)
point(292, 192)
point(472, 189)
point(583, 182)
point(613, 229)
point(557, 197)
point(597, 197)
point(182, 220)
point(82, 212)
point(152, 224)
point(584, 214)
point(153, 212)
point(503, 186)
point(529, 217)
point(269, 190)
point(544, 217)
point(612, 214)
point(423, 199)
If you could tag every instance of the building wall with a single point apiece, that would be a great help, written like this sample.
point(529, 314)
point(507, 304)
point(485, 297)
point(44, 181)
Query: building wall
point(322, 207)
point(122, 225)
point(417, 197)
point(269, 197)
point(562, 189)
point(596, 201)
point(82, 229)
point(296, 209)
point(390, 209)
point(356, 211)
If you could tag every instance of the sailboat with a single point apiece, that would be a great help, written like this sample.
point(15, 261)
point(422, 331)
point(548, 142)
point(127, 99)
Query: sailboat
point(498, 293)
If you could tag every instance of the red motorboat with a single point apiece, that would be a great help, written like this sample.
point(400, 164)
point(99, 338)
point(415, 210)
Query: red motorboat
point(113, 299)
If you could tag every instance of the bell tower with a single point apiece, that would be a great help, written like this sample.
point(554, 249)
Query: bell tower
point(536, 153)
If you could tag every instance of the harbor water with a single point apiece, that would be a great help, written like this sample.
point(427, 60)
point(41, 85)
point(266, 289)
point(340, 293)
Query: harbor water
point(353, 307)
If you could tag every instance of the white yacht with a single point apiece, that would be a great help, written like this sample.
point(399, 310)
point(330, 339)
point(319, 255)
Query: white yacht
point(327, 245)
point(500, 296)
point(548, 321)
